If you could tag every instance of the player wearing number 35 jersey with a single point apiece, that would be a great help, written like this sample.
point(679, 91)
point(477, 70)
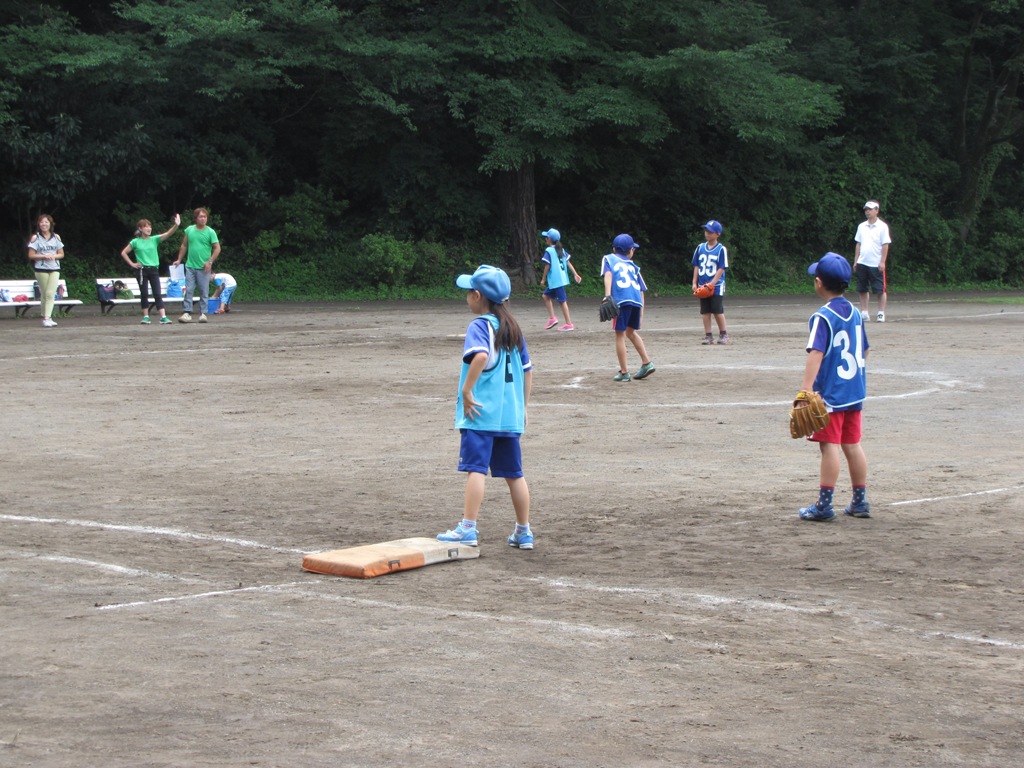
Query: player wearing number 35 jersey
point(837, 349)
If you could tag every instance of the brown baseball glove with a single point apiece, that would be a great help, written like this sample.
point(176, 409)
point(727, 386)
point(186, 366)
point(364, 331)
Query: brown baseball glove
point(808, 414)
point(705, 291)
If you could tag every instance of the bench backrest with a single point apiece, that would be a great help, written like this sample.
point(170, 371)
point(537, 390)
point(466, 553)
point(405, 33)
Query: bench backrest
point(132, 284)
point(129, 282)
point(27, 288)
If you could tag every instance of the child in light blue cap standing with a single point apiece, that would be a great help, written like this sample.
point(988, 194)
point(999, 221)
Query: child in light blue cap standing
point(556, 276)
point(490, 410)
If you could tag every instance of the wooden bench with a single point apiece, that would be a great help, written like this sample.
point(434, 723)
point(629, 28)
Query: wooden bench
point(27, 288)
point(132, 284)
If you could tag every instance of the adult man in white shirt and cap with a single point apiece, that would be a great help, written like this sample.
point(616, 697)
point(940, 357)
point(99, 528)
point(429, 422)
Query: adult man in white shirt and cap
point(870, 254)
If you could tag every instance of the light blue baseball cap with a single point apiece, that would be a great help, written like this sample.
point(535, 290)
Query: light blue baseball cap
point(492, 282)
point(553, 233)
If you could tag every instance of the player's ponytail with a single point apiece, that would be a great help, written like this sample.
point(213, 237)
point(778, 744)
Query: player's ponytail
point(509, 335)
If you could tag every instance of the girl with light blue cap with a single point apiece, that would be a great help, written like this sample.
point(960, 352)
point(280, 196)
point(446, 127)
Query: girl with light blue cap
point(490, 409)
point(556, 276)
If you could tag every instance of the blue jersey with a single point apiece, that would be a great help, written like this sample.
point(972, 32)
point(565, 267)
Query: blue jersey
point(500, 390)
point(837, 331)
point(558, 274)
point(627, 284)
point(708, 261)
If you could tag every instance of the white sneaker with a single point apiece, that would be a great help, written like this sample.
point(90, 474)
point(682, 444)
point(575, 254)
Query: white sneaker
point(881, 317)
point(48, 323)
point(864, 316)
point(202, 318)
point(186, 318)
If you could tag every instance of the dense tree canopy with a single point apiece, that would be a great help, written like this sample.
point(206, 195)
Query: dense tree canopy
point(389, 142)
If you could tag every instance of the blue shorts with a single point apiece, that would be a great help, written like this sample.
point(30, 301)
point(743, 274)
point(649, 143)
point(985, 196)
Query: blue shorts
point(629, 317)
point(498, 452)
point(558, 294)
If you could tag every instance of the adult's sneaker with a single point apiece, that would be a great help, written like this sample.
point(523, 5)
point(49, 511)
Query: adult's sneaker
point(145, 320)
point(202, 318)
point(49, 323)
point(817, 514)
point(864, 316)
point(460, 535)
point(645, 370)
point(522, 540)
point(165, 321)
point(185, 318)
point(622, 376)
point(880, 317)
point(858, 510)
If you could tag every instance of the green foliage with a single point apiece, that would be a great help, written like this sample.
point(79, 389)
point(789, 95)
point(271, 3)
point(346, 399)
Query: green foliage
point(379, 260)
point(362, 145)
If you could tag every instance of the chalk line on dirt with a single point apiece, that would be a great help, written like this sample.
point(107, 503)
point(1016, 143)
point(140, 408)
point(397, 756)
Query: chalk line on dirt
point(683, 597)
point(199, 596)
point(1008, 489)
point(143, 529)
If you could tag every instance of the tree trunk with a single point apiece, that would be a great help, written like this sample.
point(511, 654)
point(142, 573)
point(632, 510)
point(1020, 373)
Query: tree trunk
point(519, 218)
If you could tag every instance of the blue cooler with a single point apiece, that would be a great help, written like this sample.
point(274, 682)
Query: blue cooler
point(212, 305)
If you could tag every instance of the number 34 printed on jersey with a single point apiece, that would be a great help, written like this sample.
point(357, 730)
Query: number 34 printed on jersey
point(851, 360)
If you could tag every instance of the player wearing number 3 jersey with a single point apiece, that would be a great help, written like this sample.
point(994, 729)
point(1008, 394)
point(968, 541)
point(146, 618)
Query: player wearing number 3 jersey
point(625, 287)
point(837, 349)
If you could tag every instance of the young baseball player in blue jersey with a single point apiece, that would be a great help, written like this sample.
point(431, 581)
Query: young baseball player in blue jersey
point(710, 260)
point(625, 286)
point(490, 412)
point(556, 277)
point(837, 350)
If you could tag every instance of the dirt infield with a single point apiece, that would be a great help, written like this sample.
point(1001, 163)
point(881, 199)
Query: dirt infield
point(161, 484)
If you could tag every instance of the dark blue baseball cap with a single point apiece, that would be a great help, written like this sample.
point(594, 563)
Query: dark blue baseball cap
point(624, 243)
point(492, 282)
point(831, 265)
point(713, 226)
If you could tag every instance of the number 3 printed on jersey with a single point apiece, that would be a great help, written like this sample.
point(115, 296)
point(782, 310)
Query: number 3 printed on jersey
point(851, 364)
point(626, 277)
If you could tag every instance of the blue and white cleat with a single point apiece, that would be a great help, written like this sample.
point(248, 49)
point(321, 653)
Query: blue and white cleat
point(522, 540)
point(460, 535)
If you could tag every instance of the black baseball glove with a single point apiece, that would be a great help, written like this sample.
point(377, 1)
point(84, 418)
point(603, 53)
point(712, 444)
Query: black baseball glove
point(608, 310)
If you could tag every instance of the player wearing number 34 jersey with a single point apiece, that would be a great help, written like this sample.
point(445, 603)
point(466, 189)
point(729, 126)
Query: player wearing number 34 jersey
point(837, 331)
point(837, 349)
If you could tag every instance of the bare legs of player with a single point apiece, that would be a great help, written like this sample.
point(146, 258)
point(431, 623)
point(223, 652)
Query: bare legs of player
point(474, 498)
point(831, 462)
point(620, 347)
point(551, 309)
